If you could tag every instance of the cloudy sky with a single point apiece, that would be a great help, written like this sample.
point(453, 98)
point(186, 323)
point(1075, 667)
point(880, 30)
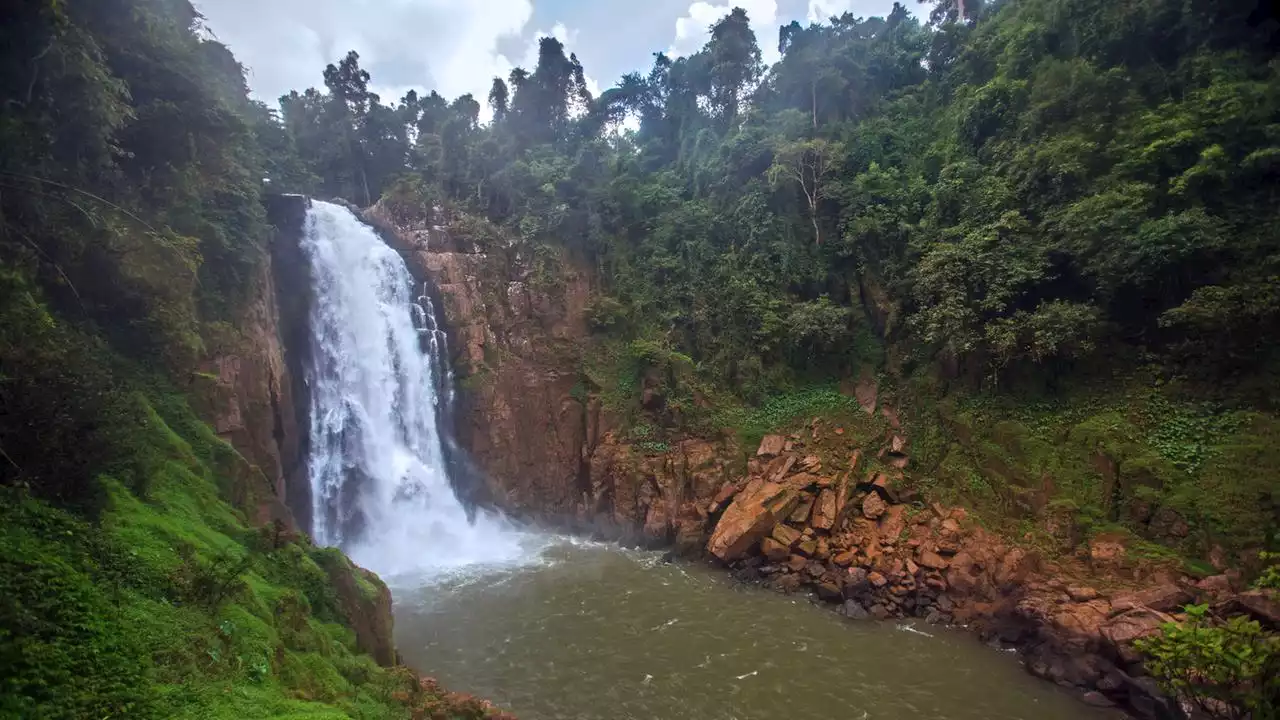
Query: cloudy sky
point(458, 46)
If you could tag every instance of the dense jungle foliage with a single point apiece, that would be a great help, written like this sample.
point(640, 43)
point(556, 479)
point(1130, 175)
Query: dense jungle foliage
point(132, 581)
point(1040, 186)
point(1051, 224)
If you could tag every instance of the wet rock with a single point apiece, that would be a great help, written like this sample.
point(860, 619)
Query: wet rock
point(854, 611)
point(872, 507)
point(771, 445)
point(773, 550)
point(829, 592)
point(1096, 699)
point(880, 612)
point(797, 562)
point(787, 582)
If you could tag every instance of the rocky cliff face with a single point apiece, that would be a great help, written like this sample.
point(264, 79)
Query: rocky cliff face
point(545, 448)
point(256, 399)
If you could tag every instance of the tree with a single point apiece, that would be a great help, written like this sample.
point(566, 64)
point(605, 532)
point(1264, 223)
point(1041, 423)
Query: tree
point(734, 63)
point(499, 99)
point(811, 165)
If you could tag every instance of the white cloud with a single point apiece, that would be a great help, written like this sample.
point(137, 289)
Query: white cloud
point(445, 45)
point(442, 45)
point(693, 28)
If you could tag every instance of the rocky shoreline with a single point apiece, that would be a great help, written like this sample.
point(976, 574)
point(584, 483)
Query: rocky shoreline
point(868, 549)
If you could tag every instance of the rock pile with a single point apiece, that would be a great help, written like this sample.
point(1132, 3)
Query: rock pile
point(859, 540)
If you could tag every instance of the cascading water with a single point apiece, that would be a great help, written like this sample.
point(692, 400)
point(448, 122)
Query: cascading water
point(379, 383)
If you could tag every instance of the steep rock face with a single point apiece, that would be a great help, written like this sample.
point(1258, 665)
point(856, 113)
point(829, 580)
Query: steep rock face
point(251, 398)
point(518, 331)
point(515, 343)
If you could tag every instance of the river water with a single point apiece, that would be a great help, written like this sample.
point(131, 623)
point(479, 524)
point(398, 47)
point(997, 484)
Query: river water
point(594, 632)
point(554, 629)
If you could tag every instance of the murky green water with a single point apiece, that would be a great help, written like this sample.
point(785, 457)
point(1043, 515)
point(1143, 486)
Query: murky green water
point(601, 633)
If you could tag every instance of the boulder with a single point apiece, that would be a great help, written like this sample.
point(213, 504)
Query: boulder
point(773, 550)
point(1163, 598)
point(845, 559)
point(824, 511)
point(786, 535)
point(808, 548)
point(877, 580)
point(771, 445)
point(829, 592)
point(1215, 586)
point(1130, 625)
point(797, 562)
point(753, 513)
point(854, 610)
point(1262, 605)
point(872, 507)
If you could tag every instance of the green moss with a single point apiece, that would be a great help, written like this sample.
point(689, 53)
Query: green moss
point(1122, 456)
point(116, 618)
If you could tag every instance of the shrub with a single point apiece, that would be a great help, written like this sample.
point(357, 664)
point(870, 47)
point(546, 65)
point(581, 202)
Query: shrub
point(1230, 668)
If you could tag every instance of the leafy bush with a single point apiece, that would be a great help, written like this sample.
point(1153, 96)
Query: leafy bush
point(1227, 668)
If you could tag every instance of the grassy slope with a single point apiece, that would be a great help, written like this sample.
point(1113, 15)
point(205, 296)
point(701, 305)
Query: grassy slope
point(162, 601)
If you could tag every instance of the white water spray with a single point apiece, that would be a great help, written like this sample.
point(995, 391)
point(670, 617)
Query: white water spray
point(379, 484)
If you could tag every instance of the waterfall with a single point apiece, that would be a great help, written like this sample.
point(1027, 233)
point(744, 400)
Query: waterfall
point(379, 386)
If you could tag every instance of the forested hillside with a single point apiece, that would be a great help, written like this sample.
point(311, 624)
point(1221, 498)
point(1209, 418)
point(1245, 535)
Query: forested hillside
point(1050, 224)
point(138, 578)
point(1034, 189)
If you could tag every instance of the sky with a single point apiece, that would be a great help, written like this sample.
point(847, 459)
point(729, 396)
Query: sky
point(459, 46)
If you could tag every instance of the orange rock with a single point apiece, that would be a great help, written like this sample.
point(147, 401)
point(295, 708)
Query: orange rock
point(771, 445)
point(845, 559)
point(933, 561)
point(753, 513)
point(872, 506)
point(824, 511)
point(797, 562)
point(773, 550)
point(786, 535)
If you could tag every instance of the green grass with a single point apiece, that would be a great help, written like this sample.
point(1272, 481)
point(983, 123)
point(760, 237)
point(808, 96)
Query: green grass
point(1217, 468)
point(114, 619)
